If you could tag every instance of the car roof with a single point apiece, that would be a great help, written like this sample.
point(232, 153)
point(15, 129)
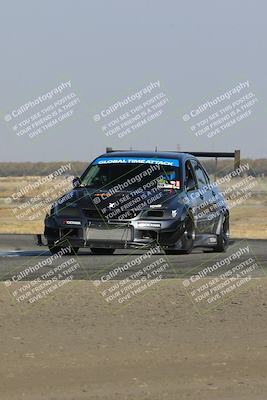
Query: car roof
point(149, 154)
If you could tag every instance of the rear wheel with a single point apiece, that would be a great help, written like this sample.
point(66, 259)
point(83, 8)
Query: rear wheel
point(102, 251)
point(223, 237)
point(188, 238)
point(54, 249)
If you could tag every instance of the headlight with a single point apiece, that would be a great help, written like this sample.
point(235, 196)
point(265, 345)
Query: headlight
point(64, 210)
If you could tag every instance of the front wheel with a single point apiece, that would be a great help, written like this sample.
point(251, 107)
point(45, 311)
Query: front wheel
point(102, 251)
point(188, 238)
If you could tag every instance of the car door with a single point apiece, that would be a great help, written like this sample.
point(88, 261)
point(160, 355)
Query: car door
point(208, 202)
point(195, 199)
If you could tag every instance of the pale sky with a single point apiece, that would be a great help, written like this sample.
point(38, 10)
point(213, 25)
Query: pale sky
point(111, 49)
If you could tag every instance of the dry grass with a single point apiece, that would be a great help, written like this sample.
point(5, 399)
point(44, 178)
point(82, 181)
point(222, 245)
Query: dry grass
point(248, 220)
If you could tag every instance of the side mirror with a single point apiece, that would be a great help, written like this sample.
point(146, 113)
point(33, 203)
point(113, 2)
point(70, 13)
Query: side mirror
point(76, 181)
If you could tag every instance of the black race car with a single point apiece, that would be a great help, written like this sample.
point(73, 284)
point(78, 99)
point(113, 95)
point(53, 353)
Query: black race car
point(131, 199)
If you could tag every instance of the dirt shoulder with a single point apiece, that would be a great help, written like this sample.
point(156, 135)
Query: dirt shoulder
point(72, 347)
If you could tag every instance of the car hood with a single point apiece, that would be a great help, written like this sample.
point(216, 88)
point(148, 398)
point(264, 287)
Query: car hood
point(121, 203)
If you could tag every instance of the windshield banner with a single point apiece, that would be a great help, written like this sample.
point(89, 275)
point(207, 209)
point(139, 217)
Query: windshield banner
point(136, 160)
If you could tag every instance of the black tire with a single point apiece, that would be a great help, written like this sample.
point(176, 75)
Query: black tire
point(223, 237)
point(55, 249)
point(101, 251)
point(187, 239)
point(74, 250)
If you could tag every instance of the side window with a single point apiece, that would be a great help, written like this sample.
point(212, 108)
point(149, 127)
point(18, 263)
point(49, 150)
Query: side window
point(190, 180)
point(207, 176)
point(201, 176)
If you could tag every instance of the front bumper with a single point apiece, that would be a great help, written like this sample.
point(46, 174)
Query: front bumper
point(114, 233)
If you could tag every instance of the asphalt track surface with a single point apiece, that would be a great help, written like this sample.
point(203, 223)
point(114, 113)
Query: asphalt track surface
point(17, 252)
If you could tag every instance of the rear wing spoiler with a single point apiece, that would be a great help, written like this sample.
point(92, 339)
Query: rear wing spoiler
point(210, 154)
point(206, 154)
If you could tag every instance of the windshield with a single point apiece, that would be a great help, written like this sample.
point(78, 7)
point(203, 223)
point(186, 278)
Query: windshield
point(131, 173)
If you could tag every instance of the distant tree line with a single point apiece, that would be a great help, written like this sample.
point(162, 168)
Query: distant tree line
point(39, 168)
point(257, 167)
